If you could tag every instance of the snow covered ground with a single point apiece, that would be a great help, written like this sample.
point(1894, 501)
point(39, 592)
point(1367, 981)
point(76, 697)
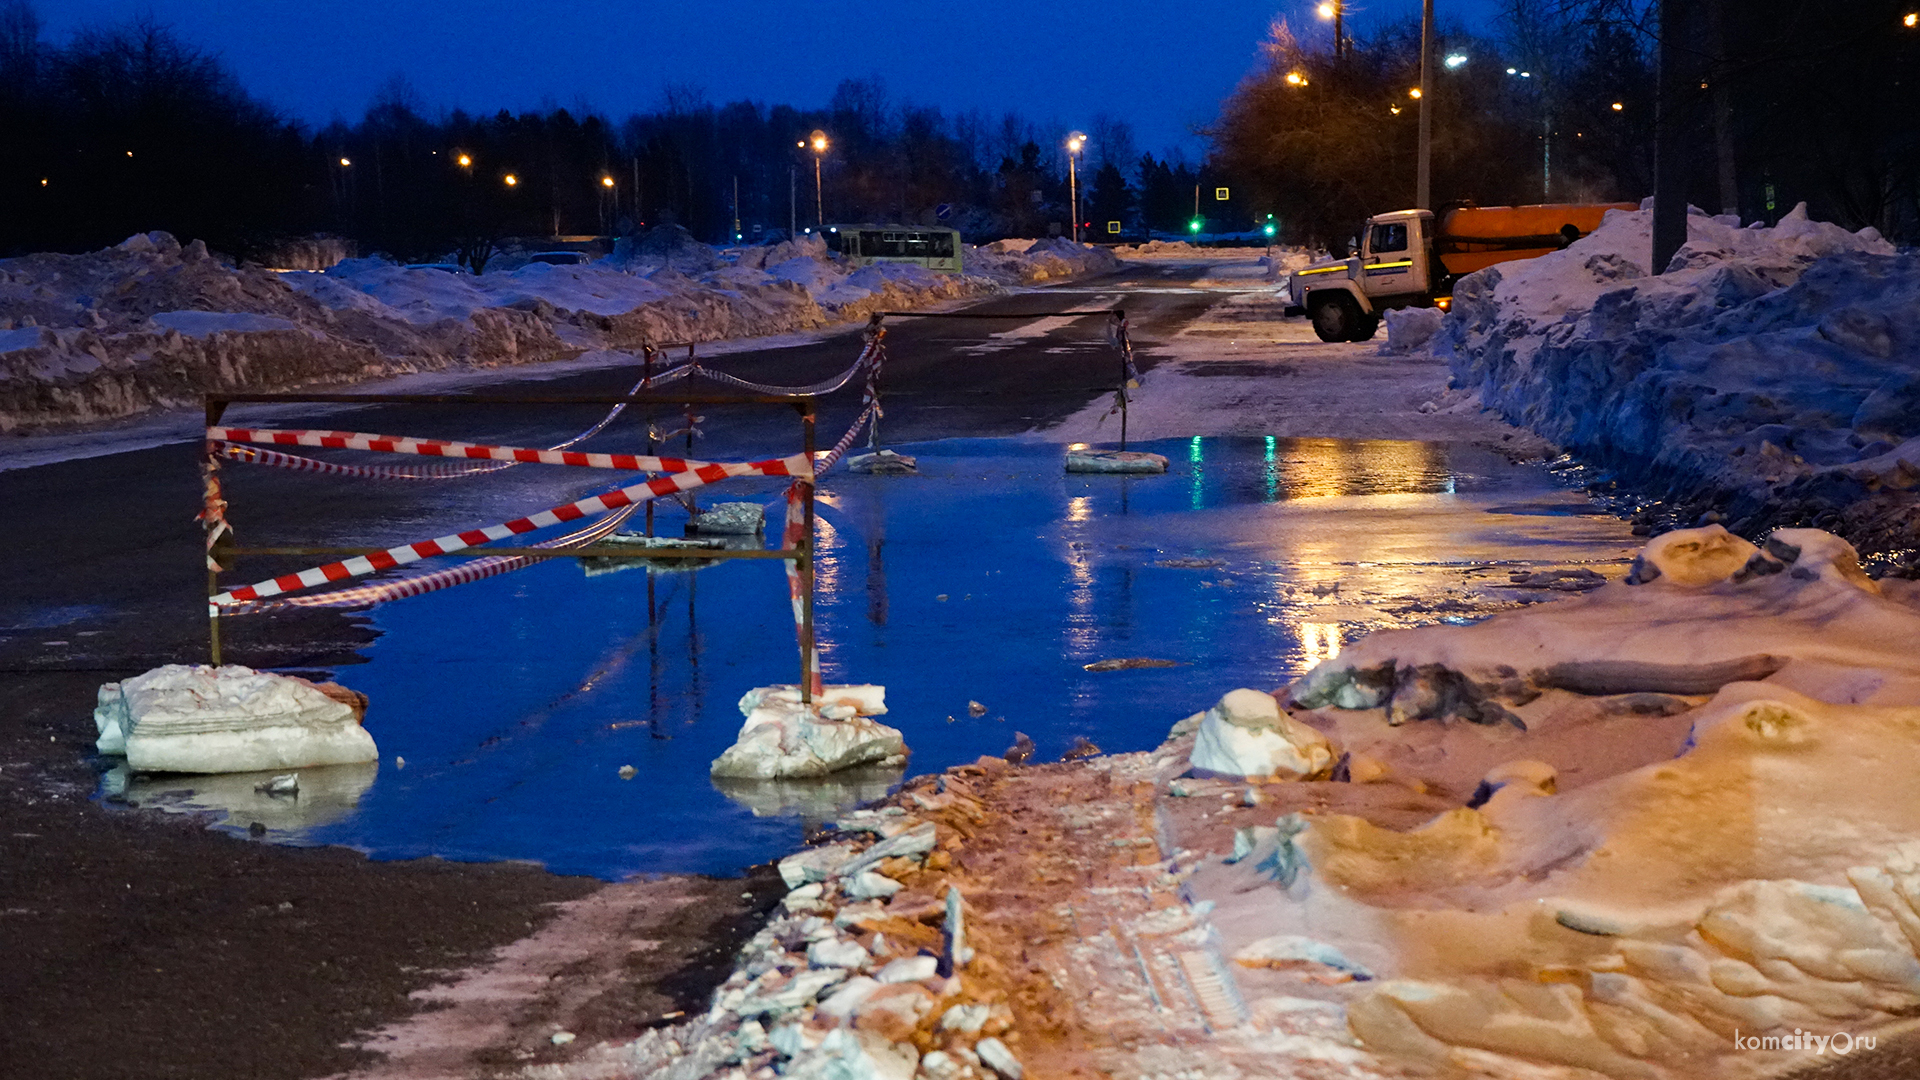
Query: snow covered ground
point(150, 323)
point(1771, 375)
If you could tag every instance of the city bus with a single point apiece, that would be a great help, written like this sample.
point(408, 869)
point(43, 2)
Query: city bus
point(931, 246)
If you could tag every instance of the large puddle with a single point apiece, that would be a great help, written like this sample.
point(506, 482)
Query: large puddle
point(992, 577)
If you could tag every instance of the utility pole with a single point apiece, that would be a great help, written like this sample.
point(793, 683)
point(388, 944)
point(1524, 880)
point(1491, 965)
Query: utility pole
point(1670, 156)
point(1423, 184)
point(1339, 37)
point(793, 202)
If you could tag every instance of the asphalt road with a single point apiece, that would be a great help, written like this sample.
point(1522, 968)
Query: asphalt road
point(141, 944)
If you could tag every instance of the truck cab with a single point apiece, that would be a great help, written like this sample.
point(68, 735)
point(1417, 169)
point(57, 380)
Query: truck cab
point(1394, 268)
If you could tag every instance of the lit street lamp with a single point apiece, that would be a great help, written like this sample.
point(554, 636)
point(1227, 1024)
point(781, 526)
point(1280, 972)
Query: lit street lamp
point(1333, 11)
point(1075, 141)
point(818, 141)
point(465, 161)
point(511, 180)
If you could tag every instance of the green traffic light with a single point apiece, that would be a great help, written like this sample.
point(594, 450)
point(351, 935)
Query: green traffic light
point(1194, 226)
point(1269, 229)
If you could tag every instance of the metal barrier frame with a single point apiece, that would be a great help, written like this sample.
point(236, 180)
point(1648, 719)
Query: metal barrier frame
point(801, 555)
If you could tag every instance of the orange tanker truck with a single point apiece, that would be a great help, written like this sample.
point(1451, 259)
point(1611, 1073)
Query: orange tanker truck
point(1405, 261)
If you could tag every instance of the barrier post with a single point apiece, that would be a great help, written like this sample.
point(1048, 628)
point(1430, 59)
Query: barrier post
point(1123, 346)
point(876, 336)
point(212, 514)
point(803, 556)
point(646, 419)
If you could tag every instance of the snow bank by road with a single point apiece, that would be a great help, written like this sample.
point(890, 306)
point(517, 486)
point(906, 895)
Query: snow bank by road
point(1689, 807)
point(150, 323)
point(1770, 373)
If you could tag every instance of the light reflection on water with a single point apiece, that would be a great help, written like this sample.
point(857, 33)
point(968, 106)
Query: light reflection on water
point(994, 576)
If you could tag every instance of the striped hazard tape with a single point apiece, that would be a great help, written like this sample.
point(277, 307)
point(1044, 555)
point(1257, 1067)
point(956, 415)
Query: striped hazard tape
point(392, 444)
point(706, 473)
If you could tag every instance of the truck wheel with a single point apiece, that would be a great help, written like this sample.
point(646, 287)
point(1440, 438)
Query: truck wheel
point(1369, 325)
point(1336, 318)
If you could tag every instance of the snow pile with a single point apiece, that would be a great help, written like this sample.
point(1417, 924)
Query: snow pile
point(1689, 809)
point(151, 323)
point(1772, 371)
point(1028, 262)
point(229, 719)
point(1409, 329)
point(783, 738)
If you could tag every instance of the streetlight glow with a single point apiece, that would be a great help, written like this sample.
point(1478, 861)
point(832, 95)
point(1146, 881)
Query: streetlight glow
point(465, 161)
point(1455, 60)
point(819, 142)
point(511, 179)
point(1414, 93)
point(606, 181)
point(1296, 78)
point(1619, 106)
point(1911, 20)
point(344, 162)
point(1325, 10)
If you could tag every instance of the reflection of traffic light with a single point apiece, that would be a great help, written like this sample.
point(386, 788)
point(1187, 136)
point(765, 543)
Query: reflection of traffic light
point(1268, 229)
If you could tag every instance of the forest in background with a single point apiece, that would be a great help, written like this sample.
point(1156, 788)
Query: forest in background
point(127, 128)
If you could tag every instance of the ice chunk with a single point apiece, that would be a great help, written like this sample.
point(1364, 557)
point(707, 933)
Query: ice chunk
point(783, 738)
point(1247, 735)
point(202, 719)
point(1114, 461)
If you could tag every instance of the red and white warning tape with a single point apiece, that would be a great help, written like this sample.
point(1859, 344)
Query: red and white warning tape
point(393, 444)
point(359, 566)
point(795, 532)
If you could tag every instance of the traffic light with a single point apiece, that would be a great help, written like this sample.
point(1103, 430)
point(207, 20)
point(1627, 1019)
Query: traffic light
point(1194, 225)
point(1268, 229)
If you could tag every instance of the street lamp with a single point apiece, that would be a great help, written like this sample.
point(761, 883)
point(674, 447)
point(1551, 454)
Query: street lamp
point(818, 141)
point(1333, 11)
point(464, 161)
point(1296, 78)
point(511, 180)
point(1075, 141)
point(343, 161)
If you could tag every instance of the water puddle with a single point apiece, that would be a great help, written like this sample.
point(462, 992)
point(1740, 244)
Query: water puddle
point(506, 709)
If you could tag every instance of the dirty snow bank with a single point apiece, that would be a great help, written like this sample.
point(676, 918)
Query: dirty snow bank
point(1770, 373)
point(1690, 806)
point(149, 323)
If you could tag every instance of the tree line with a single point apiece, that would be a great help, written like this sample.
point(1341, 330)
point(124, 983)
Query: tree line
point(1783, 101)
point(129, 128)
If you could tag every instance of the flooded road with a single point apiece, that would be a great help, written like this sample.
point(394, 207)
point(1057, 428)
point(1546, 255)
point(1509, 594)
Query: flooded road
point(506, 709)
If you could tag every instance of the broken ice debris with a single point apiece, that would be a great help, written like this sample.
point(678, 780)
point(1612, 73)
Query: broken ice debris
point(730, 519)
point(883, 463)
point(1247, 735)
point(1114, 461)
point(200, 719)
point(784, 738)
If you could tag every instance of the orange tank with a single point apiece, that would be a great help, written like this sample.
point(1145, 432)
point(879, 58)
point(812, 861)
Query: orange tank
point(1473, 237)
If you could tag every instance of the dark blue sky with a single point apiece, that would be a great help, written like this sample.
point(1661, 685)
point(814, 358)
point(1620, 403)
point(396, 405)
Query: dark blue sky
point(1161, 66)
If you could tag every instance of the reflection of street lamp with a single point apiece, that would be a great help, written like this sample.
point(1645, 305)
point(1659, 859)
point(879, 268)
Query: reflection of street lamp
point(1074, 142)
point(818, 141)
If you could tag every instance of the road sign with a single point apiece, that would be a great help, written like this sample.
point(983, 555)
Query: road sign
point(943, 211)
point(1219, 194)
point(1113, 228)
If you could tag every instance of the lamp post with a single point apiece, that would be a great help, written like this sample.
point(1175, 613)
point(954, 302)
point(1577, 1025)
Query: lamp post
point(1075, 141)
point(1333, 10)
point(818, 141)
point(1423, 182)
point(608, 190)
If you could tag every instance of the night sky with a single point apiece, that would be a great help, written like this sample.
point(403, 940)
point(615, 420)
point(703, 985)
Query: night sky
point(1163, 67)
